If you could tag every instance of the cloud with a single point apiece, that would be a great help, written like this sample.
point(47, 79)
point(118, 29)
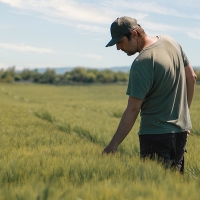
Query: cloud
point(149, 7)
point(67, 9)
point(98, 12)
point(94, 16)
point(153, 7)
point(22, 47)
point(82, 16)
point(157, 26)
point(194, 4)
point(195, 33)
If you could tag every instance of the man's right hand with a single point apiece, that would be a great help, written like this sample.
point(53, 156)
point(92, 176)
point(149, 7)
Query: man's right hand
point(109, 149)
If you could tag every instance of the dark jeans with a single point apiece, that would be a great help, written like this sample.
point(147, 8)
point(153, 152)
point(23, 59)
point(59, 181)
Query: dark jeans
point(168, 148)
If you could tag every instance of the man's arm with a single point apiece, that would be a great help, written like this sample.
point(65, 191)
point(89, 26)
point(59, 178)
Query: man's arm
point(127, 121)
point(190, 81)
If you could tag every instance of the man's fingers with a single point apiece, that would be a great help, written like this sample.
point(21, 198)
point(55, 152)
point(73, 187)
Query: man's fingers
point(108, 150)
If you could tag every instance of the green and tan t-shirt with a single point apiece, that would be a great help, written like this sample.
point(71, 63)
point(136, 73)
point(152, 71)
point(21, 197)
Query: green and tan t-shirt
point(157, 76)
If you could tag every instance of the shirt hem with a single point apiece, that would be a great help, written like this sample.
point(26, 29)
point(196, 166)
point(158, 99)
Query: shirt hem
point(166, 131)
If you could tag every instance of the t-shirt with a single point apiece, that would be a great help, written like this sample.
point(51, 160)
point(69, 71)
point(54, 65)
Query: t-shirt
point(157, 76)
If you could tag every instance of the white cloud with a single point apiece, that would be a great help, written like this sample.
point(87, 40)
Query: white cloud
point(83, 16)
point(195, 33)
point(152, 7)
point(188, 4)
point(13, 3)
point(93, 17)
point(158, 27)
point(101, 12)
point(67, 9)
point(22, 47)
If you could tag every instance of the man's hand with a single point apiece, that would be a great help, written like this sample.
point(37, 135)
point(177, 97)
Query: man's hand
point(188, 133)
point(109, 149)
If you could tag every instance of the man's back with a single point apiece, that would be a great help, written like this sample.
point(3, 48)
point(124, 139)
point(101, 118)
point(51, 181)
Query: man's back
point(158, 78)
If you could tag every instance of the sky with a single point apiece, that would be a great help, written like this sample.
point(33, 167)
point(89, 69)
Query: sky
point(71, 33)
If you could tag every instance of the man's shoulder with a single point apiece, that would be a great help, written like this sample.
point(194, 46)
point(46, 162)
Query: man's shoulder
point(167, 38)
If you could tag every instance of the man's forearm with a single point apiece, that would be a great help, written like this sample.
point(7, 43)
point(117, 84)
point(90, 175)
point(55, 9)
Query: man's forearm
point(190, 81)
point(190, 91)
point(125, 125)
point(127, 121)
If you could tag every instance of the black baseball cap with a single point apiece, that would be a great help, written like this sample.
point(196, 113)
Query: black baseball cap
point(120, 27)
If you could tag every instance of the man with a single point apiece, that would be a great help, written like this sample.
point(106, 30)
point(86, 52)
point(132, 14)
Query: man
point(161, 86)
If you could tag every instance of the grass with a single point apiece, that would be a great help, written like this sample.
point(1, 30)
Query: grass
point(52, 139)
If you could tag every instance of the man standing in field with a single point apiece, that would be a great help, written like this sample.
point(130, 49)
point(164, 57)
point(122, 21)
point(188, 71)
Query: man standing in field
point(161, 86)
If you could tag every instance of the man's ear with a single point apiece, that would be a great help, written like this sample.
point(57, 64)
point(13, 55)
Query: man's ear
point(134, 34)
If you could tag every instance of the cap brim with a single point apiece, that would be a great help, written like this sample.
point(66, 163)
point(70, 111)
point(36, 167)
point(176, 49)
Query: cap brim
point(113, 41)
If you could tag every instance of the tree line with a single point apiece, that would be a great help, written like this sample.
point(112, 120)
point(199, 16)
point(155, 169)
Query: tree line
point(77, 75)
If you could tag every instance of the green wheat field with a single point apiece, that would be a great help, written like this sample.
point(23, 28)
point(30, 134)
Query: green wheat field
point(51, 139)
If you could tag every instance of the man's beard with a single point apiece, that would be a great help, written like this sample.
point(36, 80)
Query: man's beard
point(130, 53)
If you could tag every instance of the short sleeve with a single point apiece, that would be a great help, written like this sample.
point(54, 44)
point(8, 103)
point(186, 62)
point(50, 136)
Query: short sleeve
point(185, 59)
point(140, 79)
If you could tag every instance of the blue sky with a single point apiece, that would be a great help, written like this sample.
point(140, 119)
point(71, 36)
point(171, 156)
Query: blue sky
point(71, 33)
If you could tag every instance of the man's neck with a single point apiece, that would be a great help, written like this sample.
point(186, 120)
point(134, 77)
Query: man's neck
point(146, 41)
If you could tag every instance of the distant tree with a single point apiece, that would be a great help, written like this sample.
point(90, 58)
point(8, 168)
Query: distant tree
point(1, 74)
point(18, 77)
point(8, 75)
point(94, 71)
point(78, 74)
point(27, 74)
point(49, 76)
point(8, 79)
point(106, 76)
point(90, 77)
point(36, 76)
point(58, 79)
point(121, 76)
point(66, 78)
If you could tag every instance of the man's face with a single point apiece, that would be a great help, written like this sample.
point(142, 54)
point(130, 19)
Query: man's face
point(128, 46)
